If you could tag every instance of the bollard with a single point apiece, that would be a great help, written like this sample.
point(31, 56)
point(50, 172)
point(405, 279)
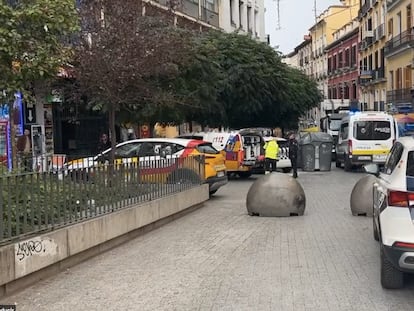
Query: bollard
point(276, 195)
point(361, 197)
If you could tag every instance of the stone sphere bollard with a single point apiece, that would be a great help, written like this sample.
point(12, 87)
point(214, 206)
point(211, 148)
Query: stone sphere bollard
point(361, 196)
point(276, 195)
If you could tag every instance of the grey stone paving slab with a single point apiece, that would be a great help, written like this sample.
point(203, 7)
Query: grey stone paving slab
point(219, 258)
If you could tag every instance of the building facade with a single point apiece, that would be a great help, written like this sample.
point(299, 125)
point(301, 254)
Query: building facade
point(321, 32)
point(372, 79)
point(343, 70)
point(398, 51)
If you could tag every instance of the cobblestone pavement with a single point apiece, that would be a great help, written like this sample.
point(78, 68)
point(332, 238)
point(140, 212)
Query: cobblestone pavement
point(219, 258)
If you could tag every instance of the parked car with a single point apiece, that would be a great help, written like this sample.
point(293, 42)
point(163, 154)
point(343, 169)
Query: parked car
point(157, 159)
point(241, 149)
point(393, 204)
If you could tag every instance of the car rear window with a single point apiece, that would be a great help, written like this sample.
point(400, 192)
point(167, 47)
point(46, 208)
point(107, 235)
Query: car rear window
point(206, 148)
point(372, 130)
point(410, 164)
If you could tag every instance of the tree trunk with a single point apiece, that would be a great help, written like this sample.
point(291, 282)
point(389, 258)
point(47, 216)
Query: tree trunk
point(112, 130)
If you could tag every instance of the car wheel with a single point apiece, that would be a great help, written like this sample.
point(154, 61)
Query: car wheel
point(286, 170)
point(347, 164)
point(375, 229)
point(213, 192)
point(244, 174)
point(184, 176)
point(391, 278)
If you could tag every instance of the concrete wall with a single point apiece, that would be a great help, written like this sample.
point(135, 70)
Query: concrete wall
point(27, 261)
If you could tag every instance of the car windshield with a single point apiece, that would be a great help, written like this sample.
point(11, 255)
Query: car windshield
point(207, 148)
point(372, 130)
point(335, 125)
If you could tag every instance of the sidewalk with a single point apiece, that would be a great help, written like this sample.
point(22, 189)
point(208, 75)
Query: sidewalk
point(219, 258)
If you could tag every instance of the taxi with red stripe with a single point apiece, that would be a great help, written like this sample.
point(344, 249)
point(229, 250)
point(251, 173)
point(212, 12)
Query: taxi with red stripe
point(165, 160)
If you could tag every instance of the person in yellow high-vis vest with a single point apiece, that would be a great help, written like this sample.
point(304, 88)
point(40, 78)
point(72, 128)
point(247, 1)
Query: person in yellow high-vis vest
point(271, 148)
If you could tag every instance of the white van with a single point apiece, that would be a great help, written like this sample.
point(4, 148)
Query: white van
point(365, 137)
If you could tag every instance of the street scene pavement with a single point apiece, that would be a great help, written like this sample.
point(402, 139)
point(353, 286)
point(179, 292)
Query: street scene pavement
point(219, 258)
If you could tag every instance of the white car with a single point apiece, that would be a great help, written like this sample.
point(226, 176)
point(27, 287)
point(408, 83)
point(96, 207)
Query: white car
point(161, 160)
point(393, 221)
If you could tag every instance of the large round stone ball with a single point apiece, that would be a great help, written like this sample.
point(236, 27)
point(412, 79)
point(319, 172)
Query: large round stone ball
point(361, 196)
point(276, 195)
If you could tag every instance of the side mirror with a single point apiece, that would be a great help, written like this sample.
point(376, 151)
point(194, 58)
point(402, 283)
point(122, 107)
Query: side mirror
point(372, 168)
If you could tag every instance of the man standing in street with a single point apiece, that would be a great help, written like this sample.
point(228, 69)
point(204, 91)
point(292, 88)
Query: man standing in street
point(271, 148)
point(293, 154)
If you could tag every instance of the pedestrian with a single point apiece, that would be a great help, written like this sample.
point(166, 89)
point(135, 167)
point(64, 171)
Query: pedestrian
point(293, 154)
point(271, 148)
point(24, 150)
point(104, 143)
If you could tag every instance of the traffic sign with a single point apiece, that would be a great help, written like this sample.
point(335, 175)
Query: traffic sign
point(29, 113)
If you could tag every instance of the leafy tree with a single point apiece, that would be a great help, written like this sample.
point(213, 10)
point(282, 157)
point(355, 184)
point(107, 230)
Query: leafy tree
point(34, 45)
point(34, 37)
point(257, 88)
point(127, 64)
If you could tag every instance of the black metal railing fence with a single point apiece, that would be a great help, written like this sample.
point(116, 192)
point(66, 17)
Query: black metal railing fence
point(35, 201)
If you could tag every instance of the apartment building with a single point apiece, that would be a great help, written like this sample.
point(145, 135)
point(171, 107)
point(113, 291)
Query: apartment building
point(343, 63)
point(245, 16)
point(372, 79)
point(398, 52)
point(321, 32)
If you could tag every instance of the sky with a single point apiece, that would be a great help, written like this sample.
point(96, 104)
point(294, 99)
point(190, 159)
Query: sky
point(296, 17)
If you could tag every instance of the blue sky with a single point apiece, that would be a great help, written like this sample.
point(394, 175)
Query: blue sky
point(296, 17)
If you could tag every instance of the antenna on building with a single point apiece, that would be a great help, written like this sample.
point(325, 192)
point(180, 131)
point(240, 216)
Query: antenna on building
point(278, 15)
point(314, 10)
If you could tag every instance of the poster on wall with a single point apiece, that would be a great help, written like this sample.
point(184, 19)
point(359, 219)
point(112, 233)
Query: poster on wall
point(48, 121)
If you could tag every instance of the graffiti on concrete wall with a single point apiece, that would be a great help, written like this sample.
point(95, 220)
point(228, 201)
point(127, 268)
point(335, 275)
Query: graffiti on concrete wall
point(34, 247)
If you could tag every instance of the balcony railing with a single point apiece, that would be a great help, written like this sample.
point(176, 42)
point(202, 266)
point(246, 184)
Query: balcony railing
point(379, 74)
point(391, 4)
point(365, 8)
point(399, 96)
point(400, 40)
point(366, 74)
point(379, 33)
point(190, 8)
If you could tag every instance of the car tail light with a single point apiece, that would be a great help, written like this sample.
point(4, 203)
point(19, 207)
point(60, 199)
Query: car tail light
point(350, 146)
point(400, 198)
point(403, 244)
point(241, 156)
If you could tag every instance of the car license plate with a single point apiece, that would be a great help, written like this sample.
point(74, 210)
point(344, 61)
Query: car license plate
point(220, 174)
point(379, 157)
point(364, 158)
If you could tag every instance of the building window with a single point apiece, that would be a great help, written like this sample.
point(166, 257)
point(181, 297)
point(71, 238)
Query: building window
point(407, 75)
point(329, 64)
point(241, 14)
point(398, 77)
point(390, 30)
point(347, 60)
point(354, 55)
point(210, 5)
point(340, 60)
point(346, 91)
point(391, 79)
point(249, 19)
point(354, 90)
point(232, 12)
point(256, 24)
